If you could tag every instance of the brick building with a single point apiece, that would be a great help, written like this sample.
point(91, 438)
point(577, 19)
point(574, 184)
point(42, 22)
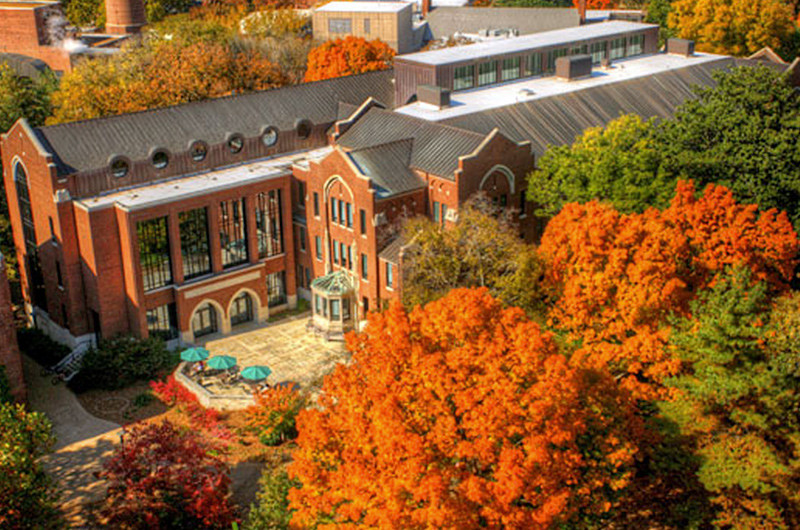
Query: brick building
point(187, 221)
point(9, 352)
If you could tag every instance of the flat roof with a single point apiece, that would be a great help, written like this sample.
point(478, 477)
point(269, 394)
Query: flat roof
point(179, 188)
point(524, 42)
point(363, 7)
point(511, 92)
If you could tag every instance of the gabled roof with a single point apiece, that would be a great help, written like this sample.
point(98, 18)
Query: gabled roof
point(388, 166)
point(559, 119)
point(435, 148)
point(335, 283)
point(87, 145)
point(446, 21)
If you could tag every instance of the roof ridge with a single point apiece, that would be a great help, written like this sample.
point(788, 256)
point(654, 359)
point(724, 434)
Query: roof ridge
point(208, 101)
point(433, 124)
point(384, 144)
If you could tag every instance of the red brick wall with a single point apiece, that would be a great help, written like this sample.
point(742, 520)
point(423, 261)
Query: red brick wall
point(125, 16)
point(22, 31)
point(9, 352)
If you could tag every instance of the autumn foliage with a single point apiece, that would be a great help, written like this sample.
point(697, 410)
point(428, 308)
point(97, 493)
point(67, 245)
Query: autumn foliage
point(618, 277)
point(348, 56)
point(161, 477)
point(273, 416)
point(460, 414)
point(597, 4)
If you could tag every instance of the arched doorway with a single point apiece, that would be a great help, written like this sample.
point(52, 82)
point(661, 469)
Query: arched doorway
point(205, 320)
point(498, 184)
point(241, 310)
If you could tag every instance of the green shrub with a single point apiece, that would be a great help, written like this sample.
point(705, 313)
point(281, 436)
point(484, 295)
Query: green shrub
point(143, 399)
point(121, 361)
point(39, 347)
point(272, 511)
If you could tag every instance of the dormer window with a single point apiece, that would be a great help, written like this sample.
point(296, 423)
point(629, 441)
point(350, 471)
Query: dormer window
point(199, 150)
point(119, 167)
point(270, 136)
point(236, 143)
point(160, 159)
point(303, 129)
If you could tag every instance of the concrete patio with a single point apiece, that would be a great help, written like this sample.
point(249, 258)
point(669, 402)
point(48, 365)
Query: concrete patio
point(286, 347)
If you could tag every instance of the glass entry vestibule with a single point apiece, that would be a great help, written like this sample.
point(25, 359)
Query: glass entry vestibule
point(333, 303)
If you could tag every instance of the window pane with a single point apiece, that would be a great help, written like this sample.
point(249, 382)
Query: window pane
point(617, 48)
point(195, 250)
point(364, 271)
point(204, 321)
point(534, 64)
point(335, 309)
point(154, 256)
point(363, 215)
point(339, 25)
point(349, 215)
point(316, 204)
point(334, 209)
point(487, 73)
point(636, 44)
point(241, 309)
point(436, 211)
point(389, 275)
point(232, 232)
point(346, 309)
point(269, 223)
point(510, 68)
point(464, 77)
point(162, 322)
point(318, 246)
point(276, 288)
point(598, 52)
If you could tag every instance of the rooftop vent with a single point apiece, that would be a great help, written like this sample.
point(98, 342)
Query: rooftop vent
point(680, 47)
point(574, 67)
point(433, 95)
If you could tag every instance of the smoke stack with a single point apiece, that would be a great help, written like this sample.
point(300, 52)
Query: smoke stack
point(426, 7)
point(582, 11)
point(125, 16)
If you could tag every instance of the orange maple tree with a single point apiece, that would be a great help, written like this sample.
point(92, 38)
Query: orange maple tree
point(597, 4)
point(348, 56)
point(619, 276)
point(460, 414)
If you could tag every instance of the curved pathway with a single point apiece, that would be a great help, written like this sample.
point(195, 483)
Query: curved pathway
point(82, 441)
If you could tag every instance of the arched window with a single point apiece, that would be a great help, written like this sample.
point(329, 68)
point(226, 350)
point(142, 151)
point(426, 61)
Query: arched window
point(204, 321)
point(25, 210)
point(241, 309)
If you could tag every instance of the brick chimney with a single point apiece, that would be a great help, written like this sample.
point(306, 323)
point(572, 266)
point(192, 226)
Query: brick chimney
point(582, 11)
point(125, 16)
point(426, 7)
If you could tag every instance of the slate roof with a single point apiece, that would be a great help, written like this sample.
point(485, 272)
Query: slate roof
point(335, 283)
point(87, 145)
point(388, 166)
point(445, 21)
point(391, 252)
point(435, 147)
point(558, 120)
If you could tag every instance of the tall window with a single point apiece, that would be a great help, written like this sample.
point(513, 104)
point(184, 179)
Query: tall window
point(435, 211)
point(316, 204)
point(367, 27)
point(232, 232)
point(154, 257)
point(59, 278)
point(301, 236)
point(522, 201)
point(350, 257)
point(635, 45)
point(487, 73)
point(335, 251)
point(362, 214)
point(510, 69)
point(269, 223)
point(25, 210)
point(598, 52)
point(318, 246)
point(364, 267)
point(349, 208)
point(617, 48)
point(444, 213)
point(162, 322)
point(241, 309)
point(389, 275)
point(464, 77)
point(204, 321)
point(339, 25)
point(301, 194)
point(195, 250)
point(334, 209)
point(534, 64)
point(276, 288)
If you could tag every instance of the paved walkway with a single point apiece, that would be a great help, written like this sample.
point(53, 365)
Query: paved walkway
point(83, 441)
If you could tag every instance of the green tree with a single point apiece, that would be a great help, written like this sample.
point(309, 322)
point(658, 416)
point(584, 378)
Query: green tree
point(27, 495)
point(619, 163)
point(482, 249)
point(272, 509)
point(738, 398)
point(743, 134)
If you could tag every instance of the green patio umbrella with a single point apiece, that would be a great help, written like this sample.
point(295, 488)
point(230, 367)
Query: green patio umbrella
point(256, 373)
point(192, 355)
point(221, 362)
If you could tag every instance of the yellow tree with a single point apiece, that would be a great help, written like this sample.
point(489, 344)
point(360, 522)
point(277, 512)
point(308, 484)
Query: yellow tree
point(736, 27)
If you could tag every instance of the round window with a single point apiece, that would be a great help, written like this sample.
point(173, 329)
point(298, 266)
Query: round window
point(160, 159)
point(236, 143)
point(119, 167)
point(199, 151)
point(270, 136)
point(303, 129)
